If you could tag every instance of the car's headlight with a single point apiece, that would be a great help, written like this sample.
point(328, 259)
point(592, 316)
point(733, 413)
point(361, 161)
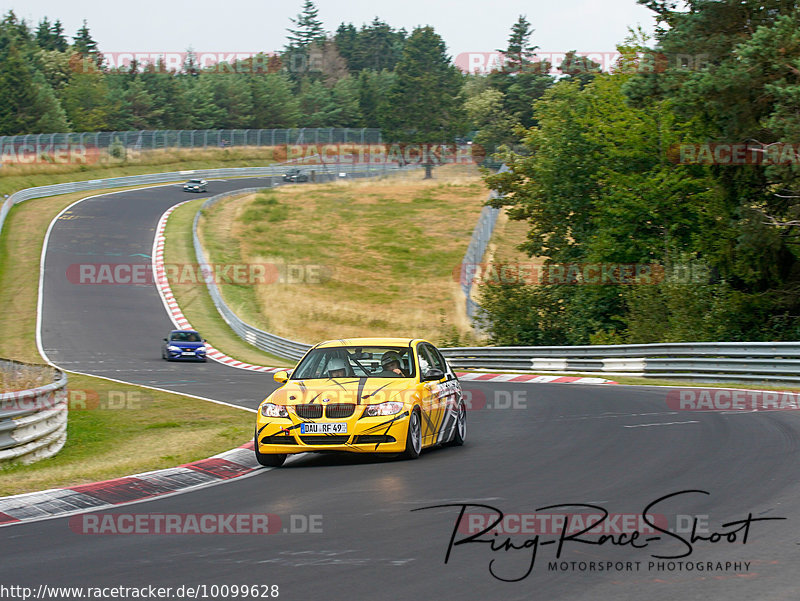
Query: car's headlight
point(273, 410)
point(388, 408)
point(201, 349)
point(174, 349)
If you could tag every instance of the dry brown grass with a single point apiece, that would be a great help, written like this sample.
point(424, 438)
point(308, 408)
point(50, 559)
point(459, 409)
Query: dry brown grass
point(23, 377)
point(393, 246)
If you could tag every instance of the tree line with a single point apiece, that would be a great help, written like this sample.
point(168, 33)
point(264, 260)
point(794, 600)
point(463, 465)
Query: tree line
point(689, 167)
point(369, 76)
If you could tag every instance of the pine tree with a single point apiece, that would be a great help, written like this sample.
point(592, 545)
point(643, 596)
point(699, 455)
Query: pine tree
point(425, 107)
point(17, 95)
point(44, 35)
point(519, 54)
point(309, 27)
point(58, 37)
point(86, 46)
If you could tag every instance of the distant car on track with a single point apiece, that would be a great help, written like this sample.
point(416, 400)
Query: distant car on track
point(363, 395)
point(195, 185)
point(183, 344)
point(295, 175)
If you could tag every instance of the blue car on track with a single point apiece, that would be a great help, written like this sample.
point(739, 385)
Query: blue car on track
point(183, 344)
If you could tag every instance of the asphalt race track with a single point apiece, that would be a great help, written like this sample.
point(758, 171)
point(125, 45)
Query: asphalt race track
point(528, 447)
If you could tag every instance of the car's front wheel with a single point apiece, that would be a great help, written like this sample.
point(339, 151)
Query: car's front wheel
point(414, 436)
point(269, 459)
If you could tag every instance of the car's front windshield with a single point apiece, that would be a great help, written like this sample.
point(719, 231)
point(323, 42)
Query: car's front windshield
point(185, 337)
point(356, 362)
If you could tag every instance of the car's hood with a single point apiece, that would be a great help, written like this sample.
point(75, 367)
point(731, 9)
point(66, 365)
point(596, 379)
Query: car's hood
point(192, 345)
point(362, 391)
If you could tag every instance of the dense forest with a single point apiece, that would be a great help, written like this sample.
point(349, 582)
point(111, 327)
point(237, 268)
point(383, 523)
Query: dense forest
point(605, 178)
point(368, 76)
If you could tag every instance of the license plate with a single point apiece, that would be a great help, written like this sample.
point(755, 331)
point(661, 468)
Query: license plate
point(335, 428)
point(188, 353)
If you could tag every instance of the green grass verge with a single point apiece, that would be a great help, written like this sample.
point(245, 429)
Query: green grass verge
point(194, 299)
point(116, 430)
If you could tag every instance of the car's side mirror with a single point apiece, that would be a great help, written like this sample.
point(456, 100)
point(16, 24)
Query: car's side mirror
point(281, 377)
point(433, 374)
point(165, 340)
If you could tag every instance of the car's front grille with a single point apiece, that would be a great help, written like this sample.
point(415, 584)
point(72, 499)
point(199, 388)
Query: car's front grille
point(318, 440)
point(282, 439)
point(339, 410)
point(374, 439)
point(308, 411)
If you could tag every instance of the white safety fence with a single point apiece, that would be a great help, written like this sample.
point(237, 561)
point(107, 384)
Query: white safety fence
point(755, 361)
point(33, 423)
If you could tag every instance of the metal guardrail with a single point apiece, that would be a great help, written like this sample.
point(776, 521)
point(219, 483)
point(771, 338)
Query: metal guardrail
point(478, 243)
point(270, 343)
point(761, 361)
point(33, 423)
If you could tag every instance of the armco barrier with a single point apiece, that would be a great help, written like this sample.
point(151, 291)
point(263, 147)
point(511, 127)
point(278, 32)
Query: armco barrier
point(476, 249)
point(760, 361)
point(33, 423)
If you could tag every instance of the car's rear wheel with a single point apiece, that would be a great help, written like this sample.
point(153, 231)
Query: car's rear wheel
point(268, 459)
point(460, 434)
point(414, 436)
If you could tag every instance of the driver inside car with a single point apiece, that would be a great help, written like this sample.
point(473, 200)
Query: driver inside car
point(337, 368)
point(391, 361)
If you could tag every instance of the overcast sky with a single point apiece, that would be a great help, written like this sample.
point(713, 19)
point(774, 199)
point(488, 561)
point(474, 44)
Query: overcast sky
point(245, 26)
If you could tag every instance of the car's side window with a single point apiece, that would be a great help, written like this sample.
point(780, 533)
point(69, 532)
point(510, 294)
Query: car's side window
point(440, 362)
point(432, 358)
point(424, 360)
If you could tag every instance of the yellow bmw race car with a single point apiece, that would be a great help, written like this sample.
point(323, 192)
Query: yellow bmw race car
point(363, 395)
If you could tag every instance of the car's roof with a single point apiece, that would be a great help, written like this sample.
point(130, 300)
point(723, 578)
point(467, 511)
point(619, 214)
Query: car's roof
point(367, 342)
point(187, 331)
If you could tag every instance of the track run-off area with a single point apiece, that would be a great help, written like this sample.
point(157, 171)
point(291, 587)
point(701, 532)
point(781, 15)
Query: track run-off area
point(714, 483)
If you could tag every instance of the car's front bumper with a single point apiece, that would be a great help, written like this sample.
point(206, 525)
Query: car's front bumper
point(381, 434)
point(177, 356)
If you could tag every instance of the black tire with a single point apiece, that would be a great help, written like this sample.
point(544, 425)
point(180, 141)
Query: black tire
point(460, 434)
point(270, 459)
point(413, 436)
